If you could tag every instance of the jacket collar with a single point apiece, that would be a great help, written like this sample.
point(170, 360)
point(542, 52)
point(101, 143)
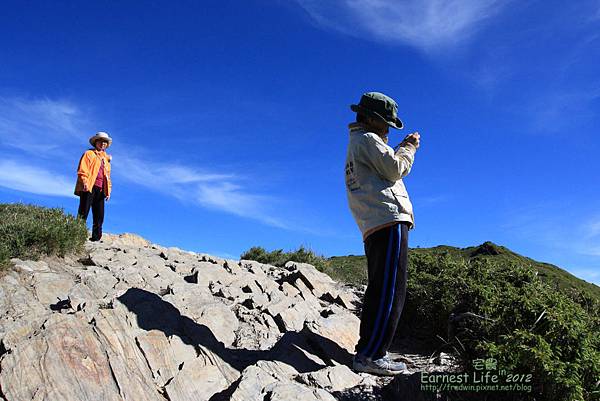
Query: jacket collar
point(356, 127)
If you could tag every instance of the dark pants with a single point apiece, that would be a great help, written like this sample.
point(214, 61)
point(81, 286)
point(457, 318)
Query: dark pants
point(387, 258)
point(95, 200)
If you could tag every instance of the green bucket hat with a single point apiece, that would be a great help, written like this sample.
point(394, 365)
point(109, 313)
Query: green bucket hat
point(378, 105)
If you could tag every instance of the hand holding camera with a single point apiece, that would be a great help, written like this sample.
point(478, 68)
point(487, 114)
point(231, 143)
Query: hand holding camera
point(413, 138)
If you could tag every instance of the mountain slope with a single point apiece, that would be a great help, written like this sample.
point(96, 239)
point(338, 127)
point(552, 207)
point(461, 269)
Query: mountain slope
point(353, 268)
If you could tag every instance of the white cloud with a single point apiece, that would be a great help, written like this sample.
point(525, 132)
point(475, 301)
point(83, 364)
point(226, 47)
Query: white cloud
point(568, 236)
point(210, 190)
point(587, 274)
point(554, 112)
point(592, 228)
point(432, 200)
point(39, 125)
point(34, 180)
point(428, 25)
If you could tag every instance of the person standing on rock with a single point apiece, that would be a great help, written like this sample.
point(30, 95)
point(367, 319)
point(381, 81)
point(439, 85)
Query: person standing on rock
point(93, 182)
point(382, 209)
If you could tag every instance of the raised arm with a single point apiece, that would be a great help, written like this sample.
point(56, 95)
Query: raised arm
point(388, 164)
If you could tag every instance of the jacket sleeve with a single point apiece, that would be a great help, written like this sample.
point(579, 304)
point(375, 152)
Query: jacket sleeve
point(389, 165)
point(83, 170)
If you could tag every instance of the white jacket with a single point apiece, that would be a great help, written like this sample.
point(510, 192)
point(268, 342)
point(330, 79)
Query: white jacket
point(376, 193)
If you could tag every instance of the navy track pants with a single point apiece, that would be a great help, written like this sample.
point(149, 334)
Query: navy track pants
point(387, 258)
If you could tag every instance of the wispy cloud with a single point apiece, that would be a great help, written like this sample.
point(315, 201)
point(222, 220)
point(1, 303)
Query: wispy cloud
point(556, 111)
point(39, 125)
point(432, 200)
point(592, 228)
point(36, 180)
point(429, 25)
point(589, 275)
point(569, 235)
point(217, 191)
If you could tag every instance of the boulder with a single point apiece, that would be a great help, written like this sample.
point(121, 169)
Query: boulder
point(65, 361)
point(201, 378)
point(339, 332)
point(219, 319)
point(165, 356)
point(129, 366)
point(319, 283)
point(256, 377)
point(295, 391)
point(256, 330)
point(331, 378)
point(51, 287)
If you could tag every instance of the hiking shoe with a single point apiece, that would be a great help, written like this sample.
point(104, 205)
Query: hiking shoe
point(400, 357)
point(384, 366)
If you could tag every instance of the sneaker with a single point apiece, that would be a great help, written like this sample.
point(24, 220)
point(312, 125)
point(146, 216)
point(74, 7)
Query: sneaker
point(400, 357)
point(384, 366)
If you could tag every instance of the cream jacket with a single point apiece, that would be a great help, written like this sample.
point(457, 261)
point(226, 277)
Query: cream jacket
point(376, 194)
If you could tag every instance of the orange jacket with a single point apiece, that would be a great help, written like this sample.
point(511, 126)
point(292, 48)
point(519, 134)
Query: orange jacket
point(89, 165)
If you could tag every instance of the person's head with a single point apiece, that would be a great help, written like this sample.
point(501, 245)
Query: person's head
point(101, 144)
point(101, 141)
point(378, 112)
point(375, 125)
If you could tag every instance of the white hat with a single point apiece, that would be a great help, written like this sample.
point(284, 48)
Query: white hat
point(100, 135)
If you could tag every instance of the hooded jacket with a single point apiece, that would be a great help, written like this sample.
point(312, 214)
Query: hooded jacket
point(376, 194)
point(89, 165)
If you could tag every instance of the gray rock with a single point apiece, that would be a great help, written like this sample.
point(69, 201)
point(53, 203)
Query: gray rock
point(319, 283)
point(254, 379)
point(50, 287)
point(332, 378)
point(129, 367)
point(164, 355)
point(137, 321)
point(295, 391)
point(256, 331)
point(219, 319)
point(293, 317)
point(29, 266)
point(99, 281)
point(21, 314)
point(201, 378)
point(341, 330)
point(125, 240)
point(65, 361)
point(289, 290)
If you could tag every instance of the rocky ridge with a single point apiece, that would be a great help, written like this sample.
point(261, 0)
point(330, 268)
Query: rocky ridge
point(136, 321)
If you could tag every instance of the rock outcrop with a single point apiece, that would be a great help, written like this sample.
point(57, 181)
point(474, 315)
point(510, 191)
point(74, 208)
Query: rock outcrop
point(136, 321)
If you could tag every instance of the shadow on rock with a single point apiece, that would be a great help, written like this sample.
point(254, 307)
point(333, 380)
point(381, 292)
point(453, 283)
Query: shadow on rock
point(304, 350)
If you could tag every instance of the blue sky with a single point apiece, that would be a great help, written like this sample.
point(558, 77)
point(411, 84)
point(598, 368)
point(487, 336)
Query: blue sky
point(229, 118)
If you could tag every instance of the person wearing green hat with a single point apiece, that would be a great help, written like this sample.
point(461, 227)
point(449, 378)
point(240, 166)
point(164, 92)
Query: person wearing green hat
point(383, 212)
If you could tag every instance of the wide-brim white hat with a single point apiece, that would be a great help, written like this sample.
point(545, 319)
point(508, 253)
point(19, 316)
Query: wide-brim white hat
point(100, 135)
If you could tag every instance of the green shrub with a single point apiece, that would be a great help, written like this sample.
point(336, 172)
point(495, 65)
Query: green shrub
point(493, 305)
point(28, 231)
point(502, 310)
point(279, 258)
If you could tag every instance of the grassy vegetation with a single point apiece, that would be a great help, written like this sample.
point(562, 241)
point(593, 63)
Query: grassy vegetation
point(279, 258)
point(27, 232)
point(489, 302)
point(482, 308)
